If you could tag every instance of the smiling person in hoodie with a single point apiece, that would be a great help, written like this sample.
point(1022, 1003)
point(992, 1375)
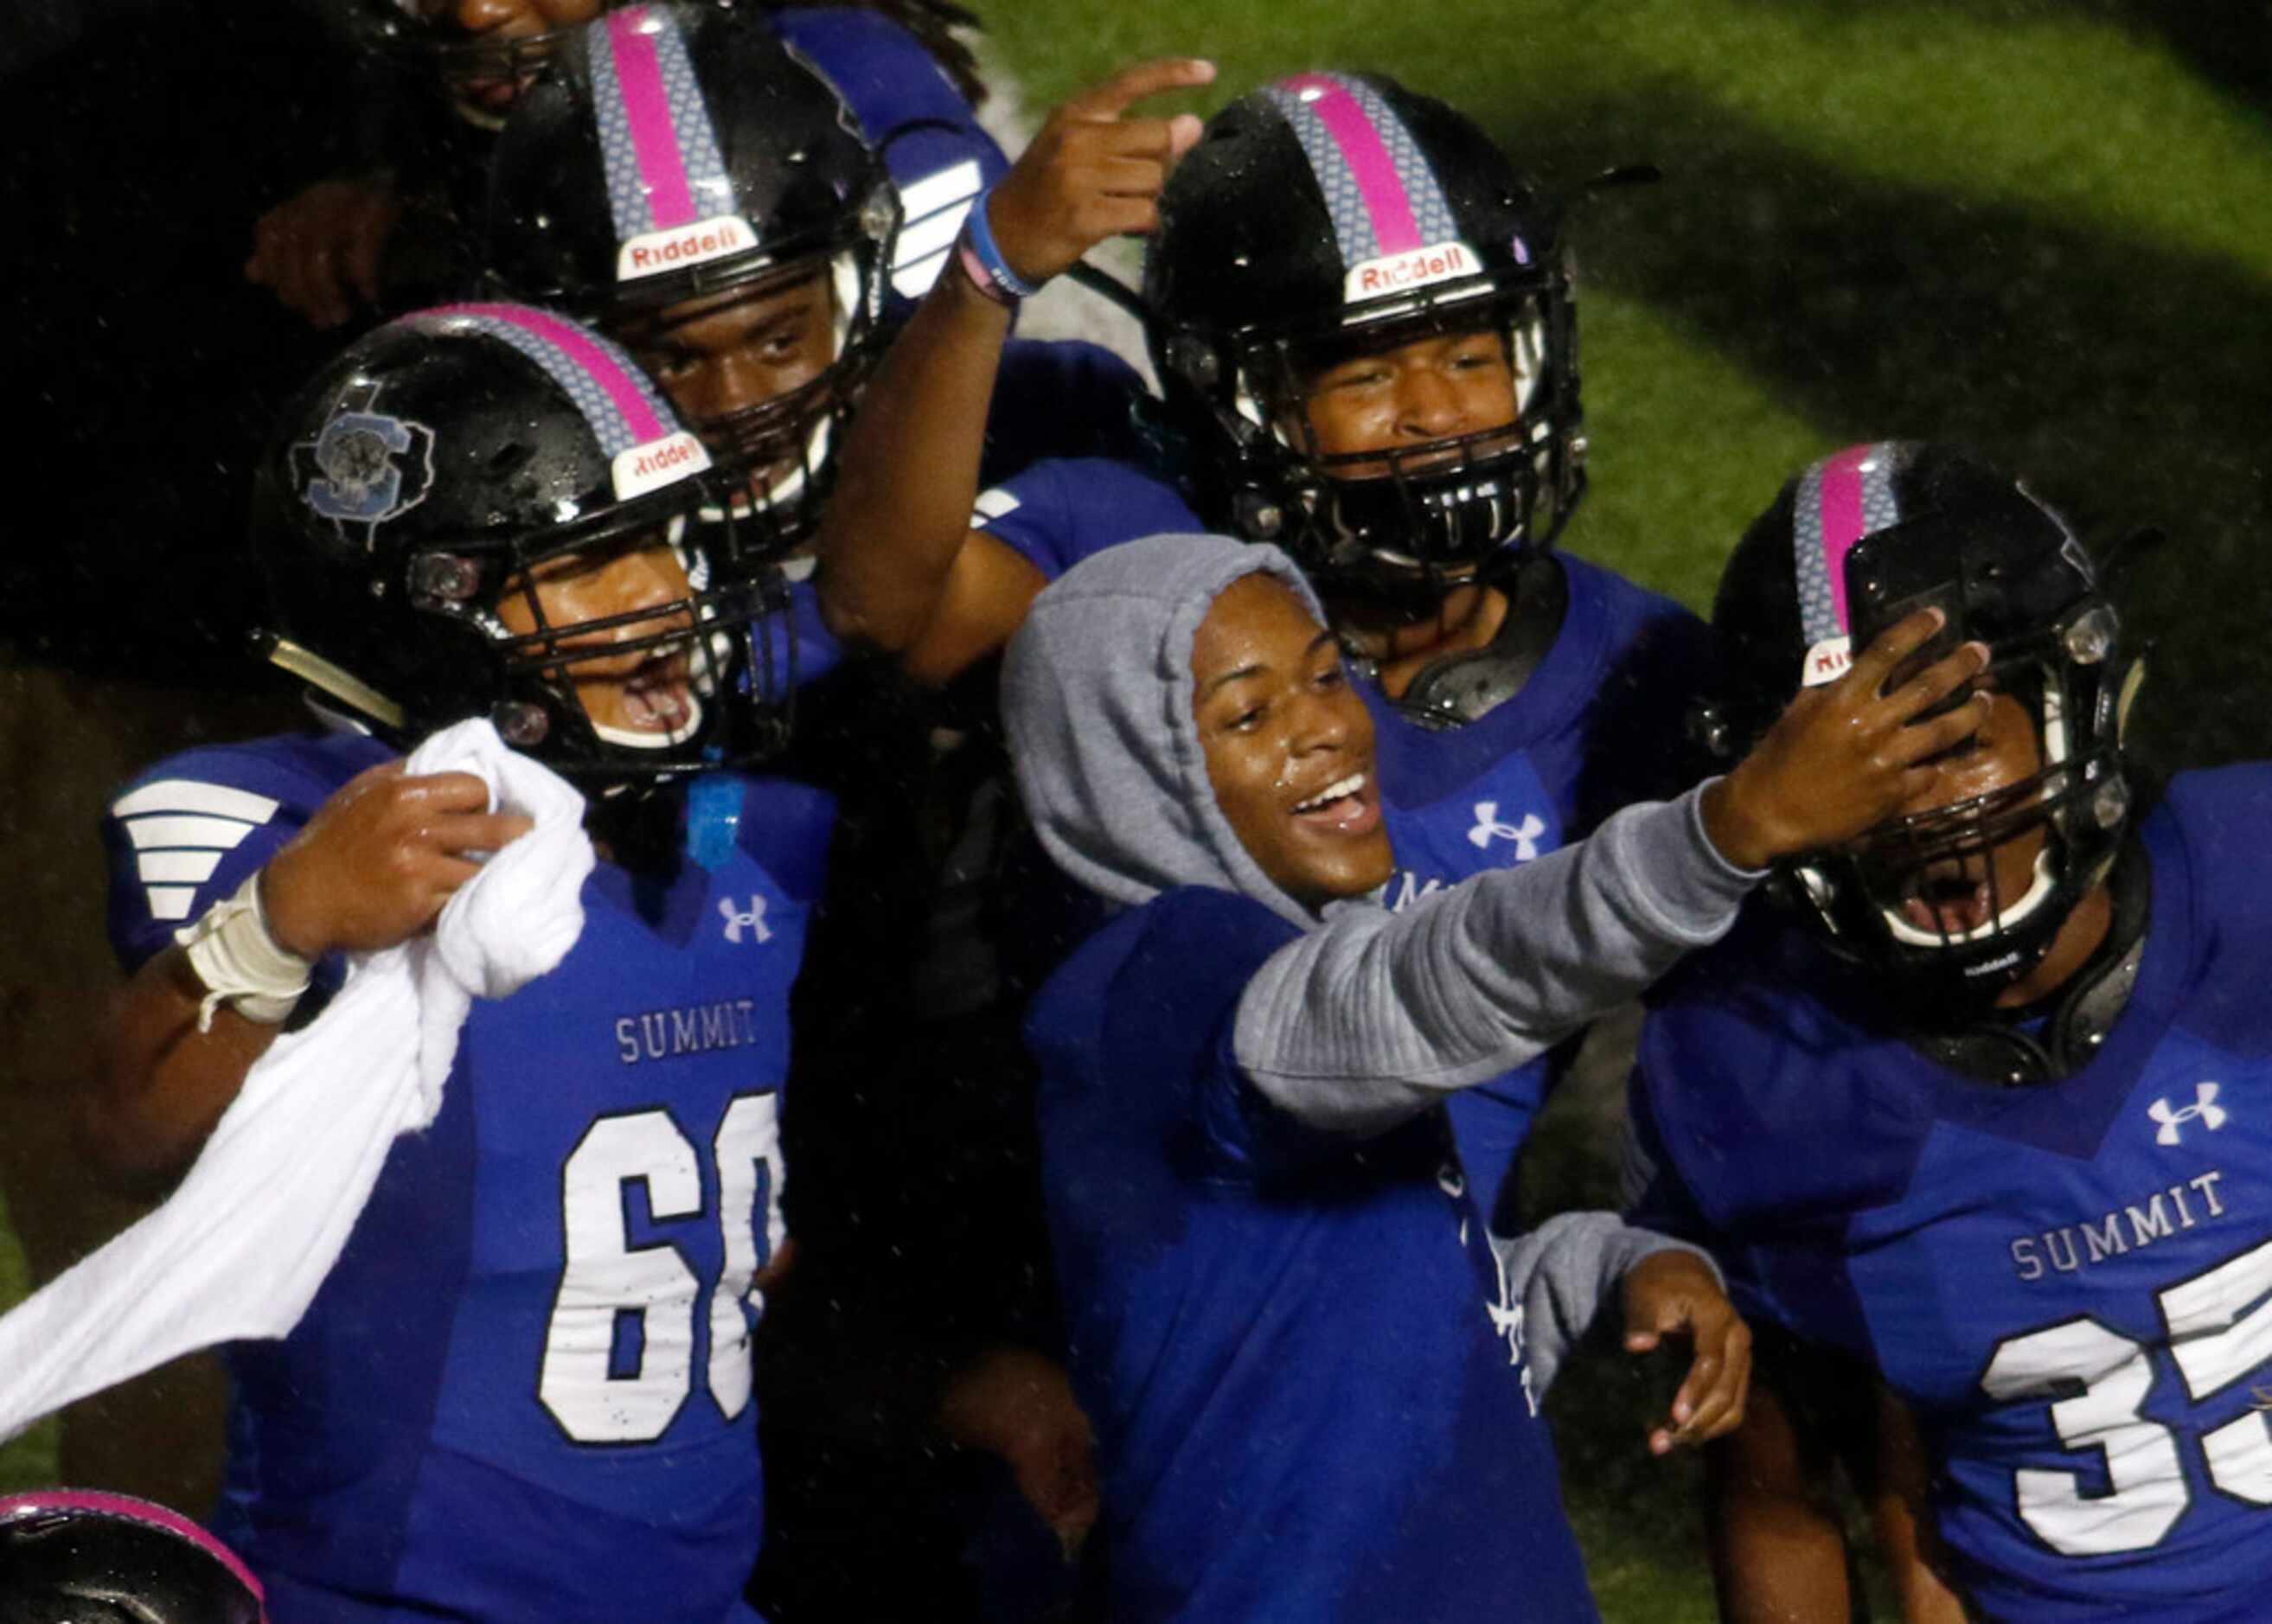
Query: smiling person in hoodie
point(1269, 1262)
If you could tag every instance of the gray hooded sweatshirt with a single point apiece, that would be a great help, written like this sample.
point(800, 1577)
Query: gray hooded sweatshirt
point(1369, 1017)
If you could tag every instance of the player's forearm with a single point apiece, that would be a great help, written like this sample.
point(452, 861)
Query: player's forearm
point(1778, 1559)
point(1378, 1016)
point(163, 1084)
point(1778, 1545)
point(907, 474)
point(1896, 1480)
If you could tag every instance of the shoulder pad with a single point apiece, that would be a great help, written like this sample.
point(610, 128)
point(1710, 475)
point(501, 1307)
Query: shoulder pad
point(1465, 688)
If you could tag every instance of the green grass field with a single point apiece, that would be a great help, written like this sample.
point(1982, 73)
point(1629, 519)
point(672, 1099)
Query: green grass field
point(2042, 228)
point(2038, 228)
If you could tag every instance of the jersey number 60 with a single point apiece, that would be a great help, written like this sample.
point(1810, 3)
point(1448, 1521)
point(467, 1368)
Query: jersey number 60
point(605, 1278)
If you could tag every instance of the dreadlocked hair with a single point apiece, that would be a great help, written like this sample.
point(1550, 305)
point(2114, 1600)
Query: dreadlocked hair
point(934, 22)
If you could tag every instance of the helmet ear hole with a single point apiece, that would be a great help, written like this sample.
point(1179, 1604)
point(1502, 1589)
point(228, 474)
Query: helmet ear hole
point(1193, 360)
point(519, 724)
point(1259, 517)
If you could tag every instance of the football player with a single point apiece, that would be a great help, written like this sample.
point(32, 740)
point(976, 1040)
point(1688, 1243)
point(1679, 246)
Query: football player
point(1361, 314)
point(694, 187)
point(415, 222)
point(1269, 1262)
point(524, 1390)
point(1971, 1112)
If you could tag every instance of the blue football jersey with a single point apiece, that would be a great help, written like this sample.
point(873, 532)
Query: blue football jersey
point(2069, 1284)
point(1303, 1409)
point(911, 112)
point(524, 1391)
point(1598, 725)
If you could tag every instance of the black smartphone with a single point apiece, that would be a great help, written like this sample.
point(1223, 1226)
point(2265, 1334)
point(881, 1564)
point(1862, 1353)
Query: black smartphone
point(1888, 578)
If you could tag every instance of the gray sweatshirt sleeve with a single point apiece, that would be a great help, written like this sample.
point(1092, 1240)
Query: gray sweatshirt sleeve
point(1374, 1016)
point(1562, 1272)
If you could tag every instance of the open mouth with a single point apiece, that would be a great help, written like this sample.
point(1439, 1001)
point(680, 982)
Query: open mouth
point(659, 696)
point(1948, 899)
point(495, 95)
point(1344, 806)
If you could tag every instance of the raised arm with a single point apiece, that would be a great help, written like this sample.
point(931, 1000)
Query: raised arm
point(372, 868)
point(1378, 1016)
point(901, 570)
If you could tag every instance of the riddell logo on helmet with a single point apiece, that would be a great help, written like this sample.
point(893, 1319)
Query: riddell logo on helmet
point(1826, 661)
point(1439, 262)
point(653, 252)
point(656, 464)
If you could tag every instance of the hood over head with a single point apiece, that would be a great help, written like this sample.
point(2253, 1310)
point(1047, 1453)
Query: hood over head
point(1096, 696)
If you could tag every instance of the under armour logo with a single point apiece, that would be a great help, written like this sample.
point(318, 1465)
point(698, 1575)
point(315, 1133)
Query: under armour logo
point(2204, 1106)
point(1487, 829)
point(737, 922)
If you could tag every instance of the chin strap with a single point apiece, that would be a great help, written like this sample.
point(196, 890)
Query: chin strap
point(2077, 1019)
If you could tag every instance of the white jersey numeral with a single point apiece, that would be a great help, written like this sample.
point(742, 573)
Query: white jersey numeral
point(2141, 1457)
point(2220, 1330)
point(748, 1149)
point(605, 1280)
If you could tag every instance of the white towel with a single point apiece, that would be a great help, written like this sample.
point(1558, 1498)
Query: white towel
point(239, 1249)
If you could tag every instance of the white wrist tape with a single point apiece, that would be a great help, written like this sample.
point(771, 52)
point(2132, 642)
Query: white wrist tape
point(239, 962)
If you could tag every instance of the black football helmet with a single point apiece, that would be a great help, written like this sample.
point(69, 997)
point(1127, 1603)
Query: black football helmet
point(675, 151)
point(444, 463)
point(70, 1556)
point(1857, 543)
point(1329, 211)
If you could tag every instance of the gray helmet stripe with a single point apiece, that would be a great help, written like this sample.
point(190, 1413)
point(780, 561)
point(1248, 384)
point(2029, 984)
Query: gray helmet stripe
point(1379, 186)
point(660, 153)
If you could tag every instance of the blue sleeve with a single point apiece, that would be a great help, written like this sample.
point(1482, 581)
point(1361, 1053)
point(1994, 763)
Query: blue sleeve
point(1655, 1195)
point(2209, 836)
point(931, 140)
point(1793, 1275)
point(1664, 664)
point(1144, 1015)
point(1057, 513)
point(1061, 398)
point(185, 833)
point(1747, 1077)
point(817, 650)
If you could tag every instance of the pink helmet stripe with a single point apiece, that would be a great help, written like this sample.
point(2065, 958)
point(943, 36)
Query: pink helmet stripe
point(1367, 156)
point(646, 114)
point(624, 389)
point(37, 1501)
point(1840, 500)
